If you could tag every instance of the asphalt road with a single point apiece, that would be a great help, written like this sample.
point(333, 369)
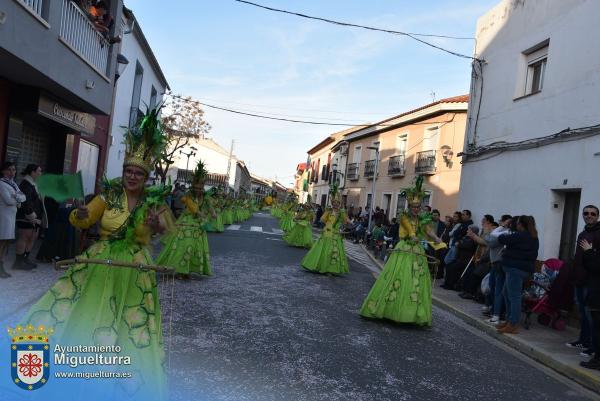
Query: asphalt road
point(262, 328)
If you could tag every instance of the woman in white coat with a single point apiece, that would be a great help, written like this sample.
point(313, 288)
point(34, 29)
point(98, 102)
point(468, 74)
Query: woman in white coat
point(11, 198)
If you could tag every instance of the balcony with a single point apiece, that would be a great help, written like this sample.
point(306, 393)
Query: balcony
point(369, 168)
point(353, 171)
point(53, 46)
point(396, 166)
point(425, 162)
point(80, 35)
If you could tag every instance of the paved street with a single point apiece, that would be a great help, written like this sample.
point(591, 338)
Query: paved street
point(264, 329)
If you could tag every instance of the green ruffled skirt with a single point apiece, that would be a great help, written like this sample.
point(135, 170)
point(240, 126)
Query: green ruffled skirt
point(227, 216)
point(402, 292)
point(186, 249)
point(216, 224)
point(327, 255)
point(287, 222)
point(300, 235)
point(95, 304)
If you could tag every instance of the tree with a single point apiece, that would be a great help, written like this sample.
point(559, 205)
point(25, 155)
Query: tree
point(183, 121)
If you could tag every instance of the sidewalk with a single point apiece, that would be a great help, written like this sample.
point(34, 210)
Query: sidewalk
point(540, 343)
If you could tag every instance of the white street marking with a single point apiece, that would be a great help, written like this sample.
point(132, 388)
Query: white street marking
point(256, 228)
point(234, 227)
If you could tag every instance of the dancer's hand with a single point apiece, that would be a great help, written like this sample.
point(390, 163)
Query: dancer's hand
point(82, 212)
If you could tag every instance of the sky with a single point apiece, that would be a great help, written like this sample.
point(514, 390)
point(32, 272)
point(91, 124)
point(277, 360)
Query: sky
point(236, 56)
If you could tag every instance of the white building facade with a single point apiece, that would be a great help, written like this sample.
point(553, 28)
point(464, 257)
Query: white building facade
point(532, 145)
point(141, 84)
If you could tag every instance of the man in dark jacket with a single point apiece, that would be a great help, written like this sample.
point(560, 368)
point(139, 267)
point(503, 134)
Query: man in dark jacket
point(579, 277)
point(466, 248)
point(591, 263)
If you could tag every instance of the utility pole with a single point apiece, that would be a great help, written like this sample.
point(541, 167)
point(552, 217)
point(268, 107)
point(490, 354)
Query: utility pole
point(229, 163)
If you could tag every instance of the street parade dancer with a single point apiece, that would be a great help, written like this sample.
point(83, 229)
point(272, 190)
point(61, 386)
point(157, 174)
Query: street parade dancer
point(301, 233)
point(108, 296)
point(227, 209)
point(186, 249)
point(327, 255)
point(402, 292)
point(216, 224)
point(287, 216)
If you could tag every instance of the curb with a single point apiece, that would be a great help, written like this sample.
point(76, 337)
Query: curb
point(580, 375)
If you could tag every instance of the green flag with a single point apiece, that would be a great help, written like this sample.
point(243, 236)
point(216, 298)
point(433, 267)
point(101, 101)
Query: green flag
point(61, 187)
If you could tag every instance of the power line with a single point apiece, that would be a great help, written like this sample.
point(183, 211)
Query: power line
point(370, 28)
point(295, 109)
point(268, 117)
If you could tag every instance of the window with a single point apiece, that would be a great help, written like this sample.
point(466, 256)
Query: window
point(401, 142)
point(426, 199)
point(152, 97)
point(536, 59)
point(373, 151)
point(135, 98)
point(400, 203)
point(357, 153)
point(430, 137)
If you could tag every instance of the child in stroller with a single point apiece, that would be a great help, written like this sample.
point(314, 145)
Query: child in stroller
point(536, 298)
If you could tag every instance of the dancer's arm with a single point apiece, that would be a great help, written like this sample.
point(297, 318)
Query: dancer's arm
point(86, 216)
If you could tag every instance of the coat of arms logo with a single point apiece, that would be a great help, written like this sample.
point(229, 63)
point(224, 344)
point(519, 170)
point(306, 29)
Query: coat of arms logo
point(30, 356)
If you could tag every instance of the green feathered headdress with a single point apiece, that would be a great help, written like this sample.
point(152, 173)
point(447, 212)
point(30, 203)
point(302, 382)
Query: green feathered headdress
point(415, 194)
point(200, 173)
point(145, 143)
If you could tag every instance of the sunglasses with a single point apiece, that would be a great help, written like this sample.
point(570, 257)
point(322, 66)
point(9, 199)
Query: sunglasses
point(593, 214)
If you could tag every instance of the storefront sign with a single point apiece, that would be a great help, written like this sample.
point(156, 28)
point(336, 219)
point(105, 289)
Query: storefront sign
point(82, 122)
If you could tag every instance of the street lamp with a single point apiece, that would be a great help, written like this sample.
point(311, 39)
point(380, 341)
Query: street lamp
point(191, 153)
point(376, 149)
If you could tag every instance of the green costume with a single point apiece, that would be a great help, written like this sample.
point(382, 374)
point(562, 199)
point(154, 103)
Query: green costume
point(402, 292)
point(95, 303)
point(327, 255)
point(301, 234)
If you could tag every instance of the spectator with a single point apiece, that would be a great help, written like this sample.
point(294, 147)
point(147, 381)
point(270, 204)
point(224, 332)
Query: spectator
point(448, 225)
point(426, 209)
point(394, 232)
point(318, 216)
point(591, 263)
point(378, 240)
point(518, 263)
point(453, 236)
point(177, 204)
point(359, 212)
point(102, 20)
point(579, 277)
point(438, 226)
point(379, 216)
point(481, 261)
point(465, 252)
point(31, 216)
point(360, 230)
point(494, 300)
point(11, 198)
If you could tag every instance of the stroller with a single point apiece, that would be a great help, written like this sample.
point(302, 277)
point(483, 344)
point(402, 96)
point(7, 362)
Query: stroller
point(537, 297)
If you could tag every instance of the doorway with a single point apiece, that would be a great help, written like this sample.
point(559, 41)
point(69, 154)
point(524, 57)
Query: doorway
point(87, 163)
point(387, 204)
point(568, 234)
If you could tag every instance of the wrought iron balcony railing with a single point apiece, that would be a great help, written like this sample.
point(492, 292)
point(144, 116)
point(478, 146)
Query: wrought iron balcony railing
point(396, 166)
point(353, 171)
point(425, 162)
point(369, 168)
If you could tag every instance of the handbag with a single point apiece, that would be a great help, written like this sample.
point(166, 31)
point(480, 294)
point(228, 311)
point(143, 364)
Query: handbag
point(451, 255)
